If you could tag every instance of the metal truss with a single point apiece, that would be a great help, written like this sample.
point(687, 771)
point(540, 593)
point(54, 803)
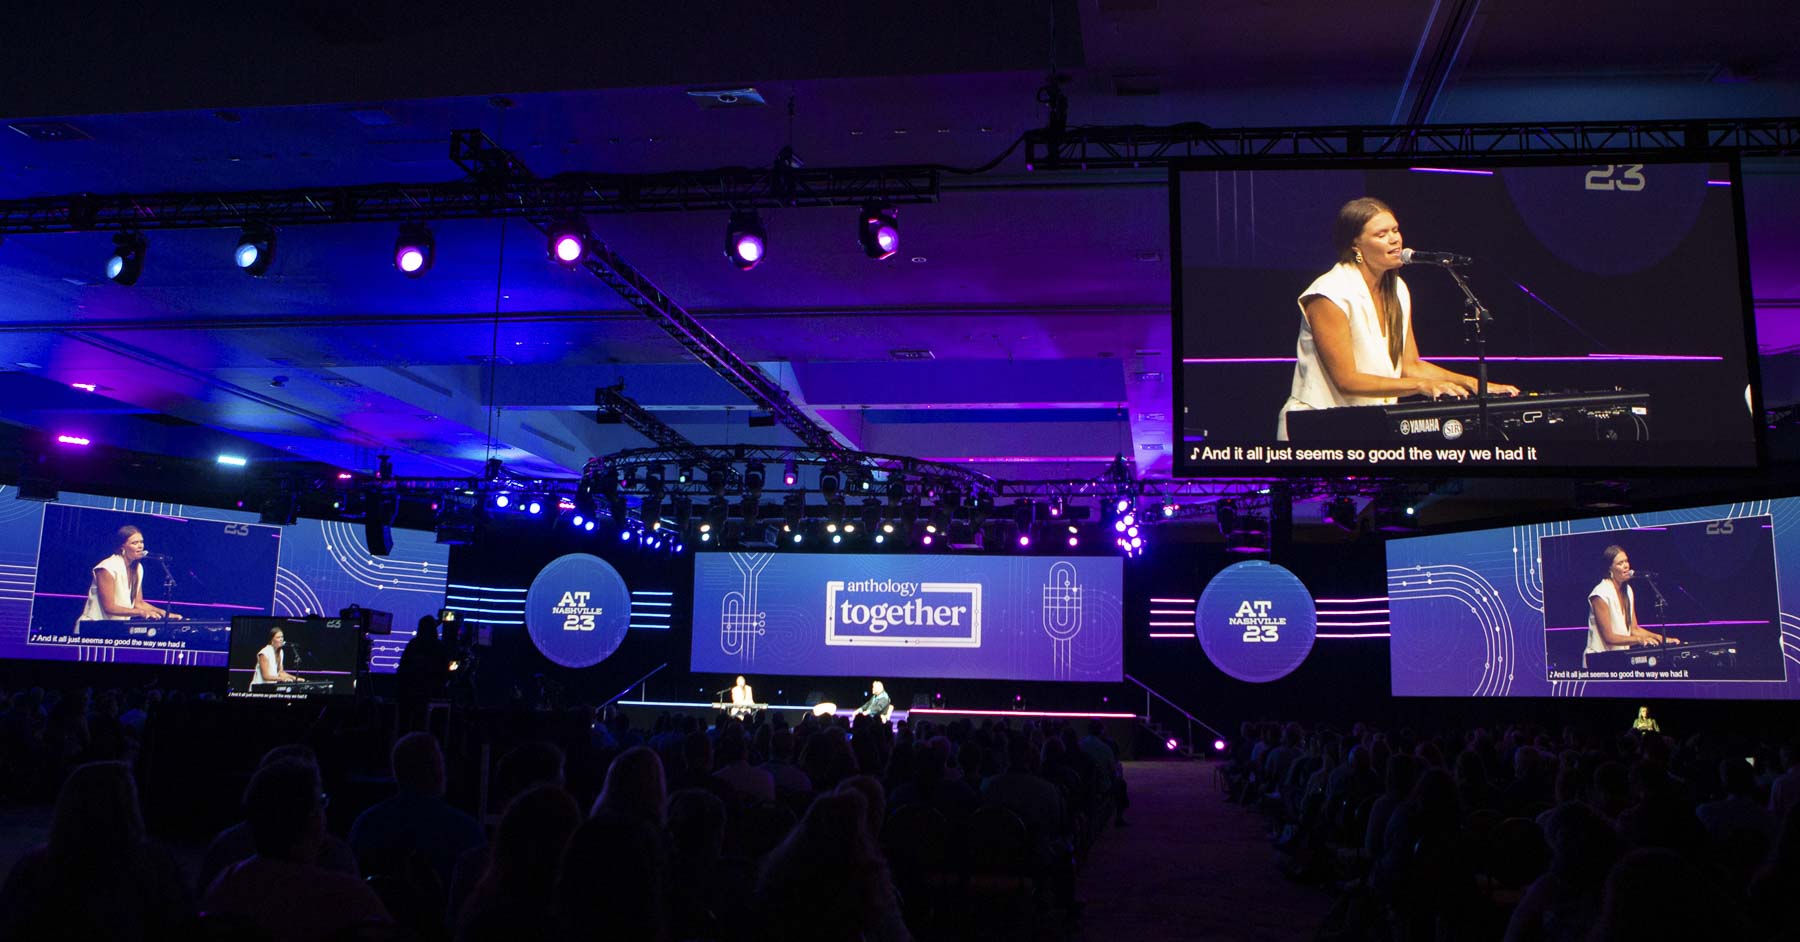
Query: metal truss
point(498, 186)
point(1138, 146)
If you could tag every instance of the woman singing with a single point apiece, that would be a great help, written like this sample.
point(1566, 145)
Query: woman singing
point(1356, 344)
point(268, 661)
point(116, 591)
point(1612, 609)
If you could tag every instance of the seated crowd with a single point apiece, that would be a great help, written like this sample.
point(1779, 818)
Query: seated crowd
point(821, 830)
point(1530, 834)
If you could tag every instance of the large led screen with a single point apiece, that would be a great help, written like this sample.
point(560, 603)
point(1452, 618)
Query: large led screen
point(204, 564)
point(1683, 603)
point(975, 617)
point(1611, 303)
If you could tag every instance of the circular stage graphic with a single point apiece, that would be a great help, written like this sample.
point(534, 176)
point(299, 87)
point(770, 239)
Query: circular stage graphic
point(577, 610)
point(1256, 621)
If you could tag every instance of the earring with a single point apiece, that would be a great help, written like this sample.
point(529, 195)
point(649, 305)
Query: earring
point(1359, 259)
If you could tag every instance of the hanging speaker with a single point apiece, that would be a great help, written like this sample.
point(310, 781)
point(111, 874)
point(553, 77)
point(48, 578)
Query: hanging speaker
point(378, 523)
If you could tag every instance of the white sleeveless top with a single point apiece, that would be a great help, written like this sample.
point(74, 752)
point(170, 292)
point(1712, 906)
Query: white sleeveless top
point(1343, 286)
point(274, 658)
point(115, 564)
point(1596, 642)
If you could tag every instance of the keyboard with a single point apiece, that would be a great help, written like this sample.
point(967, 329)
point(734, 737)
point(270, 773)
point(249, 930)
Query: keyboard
point(306, 687)
point(1704, 661)
point(1603, 415)
point(740, 706)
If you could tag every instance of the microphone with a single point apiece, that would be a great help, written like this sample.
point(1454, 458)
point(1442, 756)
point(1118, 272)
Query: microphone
point(1645, 573)
point(159, 557)
point(1445, 259)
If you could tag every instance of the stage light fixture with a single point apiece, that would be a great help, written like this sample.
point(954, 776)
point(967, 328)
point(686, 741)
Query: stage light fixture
point(534, 506)
point(414, 250)
point(746, 241)
point(871, 513)
point(753, 479)
point(793, 509)
point(790, 474)
point(878, 230)
point(127, 260)
point(568, 241)
point(1225, 515)
point(233, 461)
point(830, 480)
point(255, 250)
point(1168, 509)
point(502, 501)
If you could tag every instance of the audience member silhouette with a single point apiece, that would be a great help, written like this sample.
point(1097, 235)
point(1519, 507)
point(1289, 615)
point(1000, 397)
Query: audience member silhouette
point(512, 900)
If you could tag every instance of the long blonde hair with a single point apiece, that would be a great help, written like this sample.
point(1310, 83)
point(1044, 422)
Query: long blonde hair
point(1350, 222)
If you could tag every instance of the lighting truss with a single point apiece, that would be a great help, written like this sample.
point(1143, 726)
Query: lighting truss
point(498, 185)
point(1138, 146)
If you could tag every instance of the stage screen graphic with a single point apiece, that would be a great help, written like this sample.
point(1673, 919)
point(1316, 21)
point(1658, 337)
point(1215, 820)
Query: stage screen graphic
point(1616, 301)
point(1511, 612)
point(216, 564)
point(976, 617)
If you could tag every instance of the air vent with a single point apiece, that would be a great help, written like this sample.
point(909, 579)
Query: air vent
point(912, 354)
point(51, 131)
point(713, 98)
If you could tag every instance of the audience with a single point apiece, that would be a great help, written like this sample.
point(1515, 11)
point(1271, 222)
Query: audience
point(513, 898)
point(828, 879)
point(282, 892)
point(98, 877)
point(233, 844)
point(417, 824)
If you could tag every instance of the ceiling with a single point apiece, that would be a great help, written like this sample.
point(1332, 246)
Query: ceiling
point(1043, 298)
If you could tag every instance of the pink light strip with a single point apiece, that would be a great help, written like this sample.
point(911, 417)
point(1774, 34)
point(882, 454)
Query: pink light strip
point(1585, 358)
point(1073, 716)
point(73, 440)
point(1359, 611)
point(1673, 624)
point(1718, 183)
point(1164, 611)
point(1377, 598)
point(1174, 634)
point(1374, 634)
point(1154, 624)
point(1354, 624)
point(1177, 601)
point(1471, 173)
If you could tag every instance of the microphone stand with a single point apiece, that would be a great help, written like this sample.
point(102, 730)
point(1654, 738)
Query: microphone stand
point(168, 588)
point(1475, 319)
point(1662, 619)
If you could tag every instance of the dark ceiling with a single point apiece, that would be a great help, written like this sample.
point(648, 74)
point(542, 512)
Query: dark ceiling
point(1043, 297)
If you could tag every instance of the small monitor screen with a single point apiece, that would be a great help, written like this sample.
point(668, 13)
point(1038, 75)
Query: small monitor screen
point(1338, 319)
point(292, 658)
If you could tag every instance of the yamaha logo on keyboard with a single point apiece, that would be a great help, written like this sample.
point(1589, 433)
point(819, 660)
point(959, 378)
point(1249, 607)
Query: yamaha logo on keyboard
point(1418, 426)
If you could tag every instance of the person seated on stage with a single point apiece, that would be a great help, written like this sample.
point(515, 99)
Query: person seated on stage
point(879, 704)
point(742, 699)
point(116, 592)
point(1644, 723)
point(269, 668)
point(1356, 345)
point(1612, 610)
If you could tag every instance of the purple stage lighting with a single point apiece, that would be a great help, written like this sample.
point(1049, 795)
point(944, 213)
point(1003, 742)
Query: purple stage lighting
point(535, 507)
point(73, 440)
point(1218, 745)
point(624, 536)
point(1024, 539)
point(1074, 541)
point(414, 250)
point(588, 527)
point(568, 241)
point(926, 539)
point(745, 240)
point(502, 501)
point(1172, 744)
point(878, 230)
